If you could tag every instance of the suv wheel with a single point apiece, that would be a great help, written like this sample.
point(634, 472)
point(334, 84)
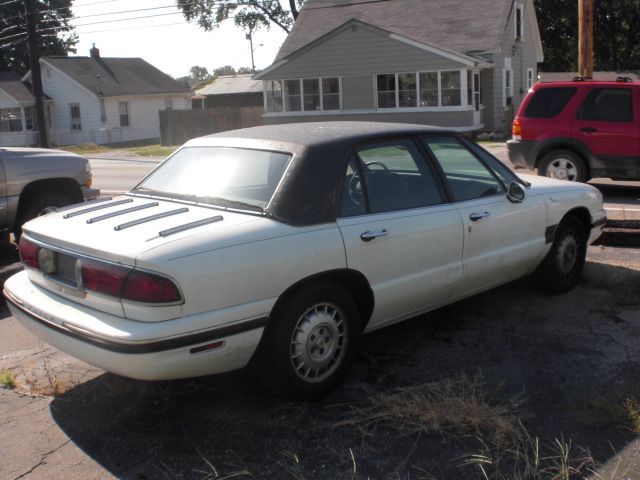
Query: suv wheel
point(563, 165)
point(38, 205)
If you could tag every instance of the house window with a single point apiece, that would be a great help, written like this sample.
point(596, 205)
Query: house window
point(386, 91)
point(331, 94)
point(28, 118)
point(292, 96)
point(407, 90)
point(519, 22)
point(76, 123)
point(168, 103)
point(311, 94)
point(529, 78)
point(429, 90)
point(451, 88)
point(508, 87)
point(274, 96)
point(49, 121)
point(103, 111)
point(123, 109)
point(10, 120)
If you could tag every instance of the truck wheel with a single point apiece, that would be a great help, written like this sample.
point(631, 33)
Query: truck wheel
point(309, 343)
point(38, 205)
point(563, 165)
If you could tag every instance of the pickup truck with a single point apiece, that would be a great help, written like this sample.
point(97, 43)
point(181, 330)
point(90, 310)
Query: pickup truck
point(35, 181)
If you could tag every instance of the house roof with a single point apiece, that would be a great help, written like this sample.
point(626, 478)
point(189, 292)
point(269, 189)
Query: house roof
point(231, 84)
point(113, 77)
point(460, 25)
point(11, 84)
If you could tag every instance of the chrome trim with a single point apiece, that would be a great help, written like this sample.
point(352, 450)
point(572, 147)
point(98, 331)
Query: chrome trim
point(122, 212)
point(189, 226)
point(84, 204)
point(99, 207)
point(150, 218)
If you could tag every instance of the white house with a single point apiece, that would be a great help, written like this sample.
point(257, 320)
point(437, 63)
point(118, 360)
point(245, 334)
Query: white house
point(104, 100)
point(16, 112)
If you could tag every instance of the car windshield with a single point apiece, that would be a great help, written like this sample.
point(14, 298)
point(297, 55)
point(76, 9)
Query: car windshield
point(229, 177)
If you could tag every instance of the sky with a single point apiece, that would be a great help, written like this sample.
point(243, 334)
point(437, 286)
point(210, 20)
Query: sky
point(167, 40)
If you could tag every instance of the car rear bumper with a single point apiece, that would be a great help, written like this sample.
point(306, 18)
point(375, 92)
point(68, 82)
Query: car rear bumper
point(216, 350)
point(522, 153)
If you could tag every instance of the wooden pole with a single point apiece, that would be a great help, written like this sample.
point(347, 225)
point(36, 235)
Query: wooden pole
point(36, 81)
point(585, 38)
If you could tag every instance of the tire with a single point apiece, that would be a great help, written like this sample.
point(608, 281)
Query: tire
point(563, 165)
point(561, 269)
point(37, 205)
point(309, 343)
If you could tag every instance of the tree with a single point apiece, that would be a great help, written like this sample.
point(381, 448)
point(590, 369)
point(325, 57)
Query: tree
point(198, 74)
point(616, 34)
point(226, 70)
point(52, 19)
point(249, 14)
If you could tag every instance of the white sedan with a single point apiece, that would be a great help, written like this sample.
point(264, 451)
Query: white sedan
point(278, 246)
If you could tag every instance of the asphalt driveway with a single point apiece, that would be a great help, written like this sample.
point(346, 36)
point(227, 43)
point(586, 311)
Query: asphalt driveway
point(437, 397)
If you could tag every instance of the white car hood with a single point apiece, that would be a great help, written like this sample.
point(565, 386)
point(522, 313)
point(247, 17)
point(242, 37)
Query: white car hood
point(548, 185)
point(126, 227)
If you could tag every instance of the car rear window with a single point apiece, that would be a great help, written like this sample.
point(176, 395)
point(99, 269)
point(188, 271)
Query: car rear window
point(549, 102)
point(607, 105)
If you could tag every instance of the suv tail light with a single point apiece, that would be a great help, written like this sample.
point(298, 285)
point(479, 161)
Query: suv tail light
point(516, 129)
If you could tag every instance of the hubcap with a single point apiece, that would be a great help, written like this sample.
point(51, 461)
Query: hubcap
point(568, 250)
point(318, 342)
point(562, 169)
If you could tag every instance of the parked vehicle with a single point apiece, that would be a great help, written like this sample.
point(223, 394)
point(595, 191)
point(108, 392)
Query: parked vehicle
point(579, 130)
point(34, 181)
point(281, 245)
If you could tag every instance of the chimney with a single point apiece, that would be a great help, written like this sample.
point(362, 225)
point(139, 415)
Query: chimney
point(94, 52)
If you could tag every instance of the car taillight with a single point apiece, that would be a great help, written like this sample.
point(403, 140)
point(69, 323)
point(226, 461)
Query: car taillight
point(516, 129)
point(28, 252)
point(149, 288)
point(103, 277)
point(128, 284)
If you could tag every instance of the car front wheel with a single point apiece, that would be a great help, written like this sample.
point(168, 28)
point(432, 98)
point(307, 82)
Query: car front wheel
point(310, 342)
point(561, 269)
point(563, 165)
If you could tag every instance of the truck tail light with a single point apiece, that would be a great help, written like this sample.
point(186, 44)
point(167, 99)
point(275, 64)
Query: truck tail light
point(28, 252)
point(128, 284)
point(516, 129)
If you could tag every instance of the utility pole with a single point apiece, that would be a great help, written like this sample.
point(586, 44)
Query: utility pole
point(36, 79)
point(585, 38)
point(249, 36)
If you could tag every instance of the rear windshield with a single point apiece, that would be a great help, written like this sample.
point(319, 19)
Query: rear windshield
point(549, 102)
point(229, 177)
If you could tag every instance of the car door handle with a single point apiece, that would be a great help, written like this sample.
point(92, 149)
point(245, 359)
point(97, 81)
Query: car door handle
point(368, 235)
point(589, 130)
point(475, 216)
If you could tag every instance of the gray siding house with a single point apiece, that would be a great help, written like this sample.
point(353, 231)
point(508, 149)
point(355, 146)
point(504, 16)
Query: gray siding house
point(454, 63)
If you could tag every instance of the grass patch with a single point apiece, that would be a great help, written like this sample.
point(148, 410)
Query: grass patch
point(459, 406)
point(154, 150)
point(7, 378)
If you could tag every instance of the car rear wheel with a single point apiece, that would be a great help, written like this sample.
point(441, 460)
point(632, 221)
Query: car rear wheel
point(563, 165)
point(309, 343)
point(561, 269)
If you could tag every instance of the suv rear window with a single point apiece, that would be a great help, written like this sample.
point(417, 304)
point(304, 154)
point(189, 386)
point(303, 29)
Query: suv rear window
point(549, 102)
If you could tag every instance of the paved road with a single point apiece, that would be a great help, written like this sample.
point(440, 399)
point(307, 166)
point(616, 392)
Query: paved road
point(117, 175)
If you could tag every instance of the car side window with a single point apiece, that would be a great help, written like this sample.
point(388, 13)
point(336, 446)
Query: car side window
point(395, 177)
point(352, 203)
point(467, 176)
point(607, 105)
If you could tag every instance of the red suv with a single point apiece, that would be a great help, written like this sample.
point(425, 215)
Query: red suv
point(579, 130)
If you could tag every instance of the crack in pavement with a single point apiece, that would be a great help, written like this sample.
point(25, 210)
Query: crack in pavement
point(42, 461)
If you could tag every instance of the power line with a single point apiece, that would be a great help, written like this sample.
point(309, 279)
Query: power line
point(9, 3)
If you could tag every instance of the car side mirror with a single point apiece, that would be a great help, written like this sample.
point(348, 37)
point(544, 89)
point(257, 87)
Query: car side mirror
point(516, 193)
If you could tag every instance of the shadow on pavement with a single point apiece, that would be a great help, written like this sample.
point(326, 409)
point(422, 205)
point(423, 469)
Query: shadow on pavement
point(572, 359)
